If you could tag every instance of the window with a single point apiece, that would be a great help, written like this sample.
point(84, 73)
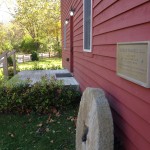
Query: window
point(87, 25)
point(65, 34)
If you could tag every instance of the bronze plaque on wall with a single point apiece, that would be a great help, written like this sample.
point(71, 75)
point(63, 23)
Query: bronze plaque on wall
point(133, 62)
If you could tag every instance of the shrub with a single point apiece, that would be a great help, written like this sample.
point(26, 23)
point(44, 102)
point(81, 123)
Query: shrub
point(57, 48)
point(10, 72)
point(34, 56)
point(21, 97)
point(29, 44)
point(10, 61)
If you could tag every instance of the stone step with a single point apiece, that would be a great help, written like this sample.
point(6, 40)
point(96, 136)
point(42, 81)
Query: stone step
point(62, 74)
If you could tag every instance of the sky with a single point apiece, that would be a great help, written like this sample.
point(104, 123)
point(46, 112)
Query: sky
point(6, 8)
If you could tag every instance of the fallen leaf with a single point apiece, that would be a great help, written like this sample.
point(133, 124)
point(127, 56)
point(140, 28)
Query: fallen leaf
point(58, 114)
point(11, 134)
point(40, 125)
point(53, 110)
point(30, 120)
point(73, 119)
point(47, 129)
point(52, 121)
point(52, 141)
point(49, 119)
point(69, 118)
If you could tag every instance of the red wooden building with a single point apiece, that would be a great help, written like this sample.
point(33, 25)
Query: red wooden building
point(89, 40)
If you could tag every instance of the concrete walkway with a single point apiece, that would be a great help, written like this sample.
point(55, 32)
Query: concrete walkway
point(35, 76)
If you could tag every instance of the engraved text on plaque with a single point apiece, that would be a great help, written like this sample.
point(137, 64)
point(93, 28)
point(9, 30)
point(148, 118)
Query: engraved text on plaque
point(133, 62)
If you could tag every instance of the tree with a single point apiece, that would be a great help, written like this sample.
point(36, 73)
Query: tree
point(5, 43)
point(40, 19)
point(16, 35)
point(11, 36)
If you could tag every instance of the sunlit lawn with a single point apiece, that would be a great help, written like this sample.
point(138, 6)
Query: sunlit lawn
point(37, 132)
point(46, 63)
point(43, 63)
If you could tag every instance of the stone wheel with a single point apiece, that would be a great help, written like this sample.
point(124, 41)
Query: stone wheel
point(94, 124)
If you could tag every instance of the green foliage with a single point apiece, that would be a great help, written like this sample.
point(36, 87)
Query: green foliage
point(36, 66)
point(29, 44)
point(7, 45)
point(34, 56)
point(11, 36)
point(1, 74)
point(42, 64)
point(50, 67)
point(10, 61)
point(16, 35)
point(10, 72)
point(40, 97)
point(32, 29)
point(41, 21)
point(57, 48)
point(5, 42)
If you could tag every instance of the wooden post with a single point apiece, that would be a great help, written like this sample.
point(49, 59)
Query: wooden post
point(49, 54)
point(5, 66)
point(14, 63)
point(23, 57)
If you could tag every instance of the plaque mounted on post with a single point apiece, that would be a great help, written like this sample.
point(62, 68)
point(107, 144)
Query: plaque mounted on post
point(133, 62)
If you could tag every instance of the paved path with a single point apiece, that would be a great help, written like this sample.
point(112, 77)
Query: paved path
point(35, 76)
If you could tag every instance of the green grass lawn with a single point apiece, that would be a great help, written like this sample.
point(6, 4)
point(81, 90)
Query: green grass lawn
point(38, 132)
point(42, 64)
point(45, 63)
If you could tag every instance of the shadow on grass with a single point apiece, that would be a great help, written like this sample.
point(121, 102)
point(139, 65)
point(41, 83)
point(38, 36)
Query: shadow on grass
point(38, 132)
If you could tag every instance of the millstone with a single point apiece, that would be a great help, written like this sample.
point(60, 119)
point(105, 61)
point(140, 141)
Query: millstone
point(94, 124)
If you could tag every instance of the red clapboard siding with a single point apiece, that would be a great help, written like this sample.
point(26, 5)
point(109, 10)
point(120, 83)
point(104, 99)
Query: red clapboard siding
point(141, 15)
point(79, 31)
point(123, 139)
point(78, 20)
point(136, 33)
point(105, 50)
point(131, 118)
point(65, 54)
point(78, 25)
point(96, 2)
point(135, 105)
point(117, 9)
point(78, 43)
point(102, 6)
point(79, 37)
point(136, 119)
point(111, 77)
point(129, 87)
point(129, 136)
point(141, 142)
point(137, 140)
point(78, 49)
point(78, 13)
point(113, 21)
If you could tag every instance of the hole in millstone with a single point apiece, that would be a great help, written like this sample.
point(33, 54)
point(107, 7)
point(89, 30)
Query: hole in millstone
point(85, 133)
